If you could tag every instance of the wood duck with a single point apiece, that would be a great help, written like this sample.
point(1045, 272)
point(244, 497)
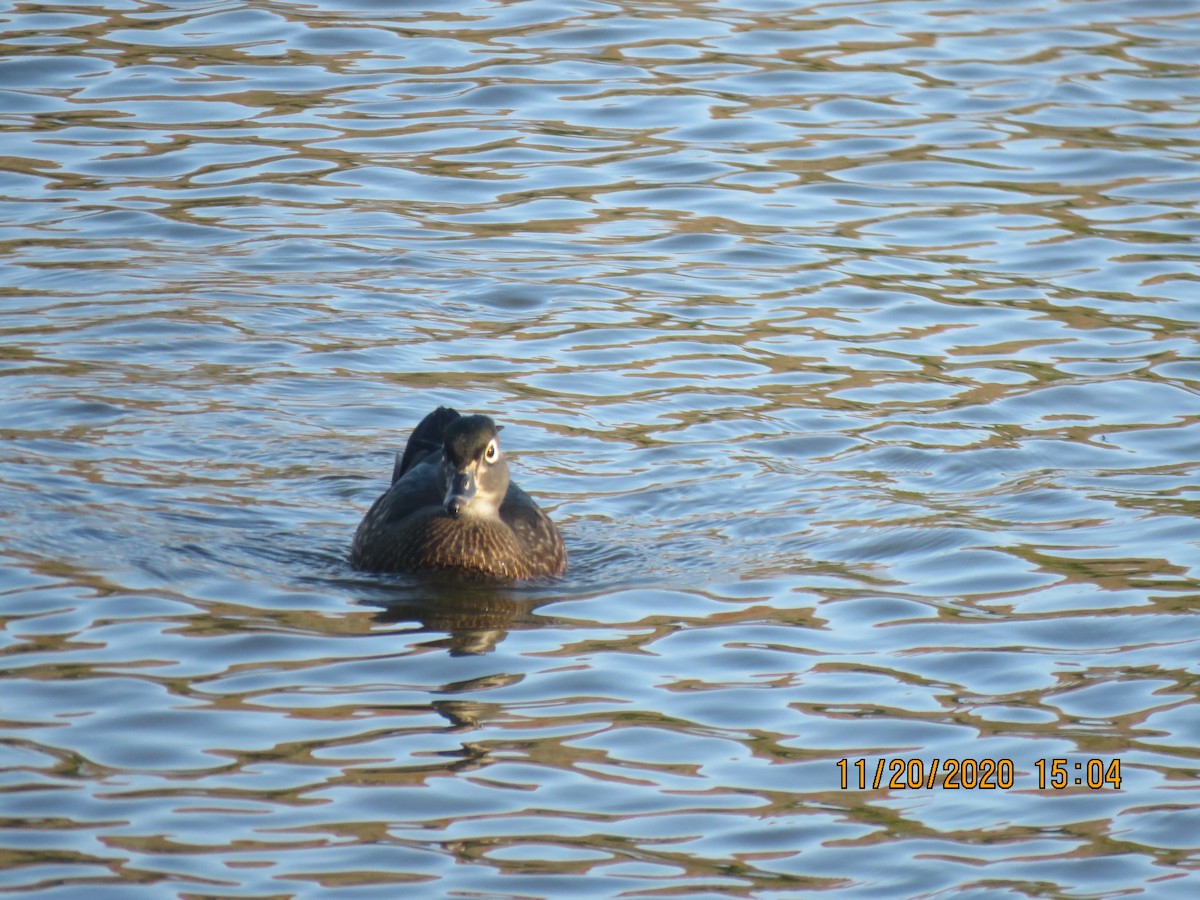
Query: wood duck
point(452, 508)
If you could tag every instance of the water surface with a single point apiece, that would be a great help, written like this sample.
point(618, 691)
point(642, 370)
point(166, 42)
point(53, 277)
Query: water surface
point(852, 345)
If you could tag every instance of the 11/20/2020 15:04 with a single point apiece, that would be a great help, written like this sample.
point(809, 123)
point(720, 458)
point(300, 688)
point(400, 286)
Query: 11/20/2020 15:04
point(990, 774)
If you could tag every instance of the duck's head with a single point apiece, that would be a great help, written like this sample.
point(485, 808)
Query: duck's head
point(473, 468)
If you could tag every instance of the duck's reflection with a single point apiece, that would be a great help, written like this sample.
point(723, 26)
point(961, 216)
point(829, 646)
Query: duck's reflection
point(474, 618)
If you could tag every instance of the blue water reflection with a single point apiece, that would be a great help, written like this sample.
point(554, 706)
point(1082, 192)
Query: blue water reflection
point(852, 346)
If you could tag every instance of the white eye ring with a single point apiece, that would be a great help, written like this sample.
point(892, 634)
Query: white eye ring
point(492, 453)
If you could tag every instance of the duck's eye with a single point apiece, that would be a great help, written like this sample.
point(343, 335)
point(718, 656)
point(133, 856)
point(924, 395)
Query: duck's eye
point(492, 453)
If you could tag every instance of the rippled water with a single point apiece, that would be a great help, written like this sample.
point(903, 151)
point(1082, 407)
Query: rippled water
point(852, 345)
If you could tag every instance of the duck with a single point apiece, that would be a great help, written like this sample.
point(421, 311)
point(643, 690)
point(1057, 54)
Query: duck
point(453, 508)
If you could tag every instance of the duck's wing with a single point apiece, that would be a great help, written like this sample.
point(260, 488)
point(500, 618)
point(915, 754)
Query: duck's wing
point(536, 534)
point(425, 439)
point(419, 488)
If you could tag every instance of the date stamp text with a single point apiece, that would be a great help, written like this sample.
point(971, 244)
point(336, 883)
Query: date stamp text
point(975, 774)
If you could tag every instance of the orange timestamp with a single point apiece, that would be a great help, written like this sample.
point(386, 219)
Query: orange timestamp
point(975, 774)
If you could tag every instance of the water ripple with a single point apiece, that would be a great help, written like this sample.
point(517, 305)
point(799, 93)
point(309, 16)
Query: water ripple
point(851, 345)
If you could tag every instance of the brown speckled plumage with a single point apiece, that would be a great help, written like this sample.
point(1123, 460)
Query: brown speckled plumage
point(452, 508)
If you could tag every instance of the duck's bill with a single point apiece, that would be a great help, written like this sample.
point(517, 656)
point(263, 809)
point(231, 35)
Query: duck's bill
point(461, 493)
